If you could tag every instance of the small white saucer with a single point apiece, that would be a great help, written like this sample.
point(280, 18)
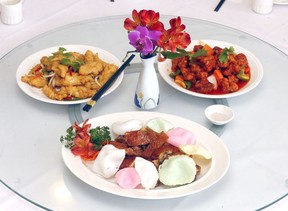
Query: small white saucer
point(219, 114)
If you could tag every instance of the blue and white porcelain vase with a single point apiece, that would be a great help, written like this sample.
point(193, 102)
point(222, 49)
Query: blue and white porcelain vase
point(147, 91)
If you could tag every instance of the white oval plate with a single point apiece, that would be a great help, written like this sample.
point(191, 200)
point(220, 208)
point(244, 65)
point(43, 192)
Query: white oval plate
point(255, 66)
point(34, 59)
point(211, 172)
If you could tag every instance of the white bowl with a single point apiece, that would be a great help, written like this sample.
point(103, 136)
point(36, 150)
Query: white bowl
point(219, 114)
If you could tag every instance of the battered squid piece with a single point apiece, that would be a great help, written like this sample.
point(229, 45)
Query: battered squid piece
point(59, 69)
point(89, 56)
point(34, 80)
point(91, 68)
point(79, 92)
point(108, 71)
point(50, 92)
point(73, 80)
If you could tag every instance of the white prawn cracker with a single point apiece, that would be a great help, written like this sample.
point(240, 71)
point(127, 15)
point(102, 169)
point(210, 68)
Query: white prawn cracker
point(108, 161)
point(120, 128)
point(147, 172)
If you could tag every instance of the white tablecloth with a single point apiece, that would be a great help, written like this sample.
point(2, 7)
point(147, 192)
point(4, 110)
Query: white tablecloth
point(42, 16)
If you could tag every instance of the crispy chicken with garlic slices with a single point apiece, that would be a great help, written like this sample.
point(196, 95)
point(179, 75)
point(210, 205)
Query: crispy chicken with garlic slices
point(70, 75)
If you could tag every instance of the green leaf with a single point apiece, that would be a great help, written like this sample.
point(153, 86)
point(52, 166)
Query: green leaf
point(188, 84)
point(223, 57)
point(182, 51)
point(61, 49)
point(80, 61)
point(99, 135)
point(68, 140)
point(172, 55)
point(200, 52)
point(65, 61)
point(75, 66)
point(175, 73)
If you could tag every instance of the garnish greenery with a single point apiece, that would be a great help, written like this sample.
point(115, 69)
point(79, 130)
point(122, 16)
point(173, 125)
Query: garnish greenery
point(67, 59)
point(68, 140)
point(181, 53)
point(175, 73)
point(74, 64)
point(99, 135)
point(223, 57)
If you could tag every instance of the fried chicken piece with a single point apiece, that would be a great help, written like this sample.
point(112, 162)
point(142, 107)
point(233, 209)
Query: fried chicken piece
point(59, 69)
point(93, 67)
point(73, 79)
point(35, 80)
point(208, 62)
point(51, 92)
point(204, 86)
point(79, 92)
point(241, 60)
point(229, 86)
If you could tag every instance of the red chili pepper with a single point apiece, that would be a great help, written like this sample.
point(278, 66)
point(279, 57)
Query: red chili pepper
point(70, 69)
point(247, 69)
point(69, 97)
point(38, 69)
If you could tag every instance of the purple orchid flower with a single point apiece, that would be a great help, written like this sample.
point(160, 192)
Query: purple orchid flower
point(144, 40)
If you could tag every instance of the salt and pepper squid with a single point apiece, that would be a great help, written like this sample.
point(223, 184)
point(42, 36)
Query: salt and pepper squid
point(70, 75)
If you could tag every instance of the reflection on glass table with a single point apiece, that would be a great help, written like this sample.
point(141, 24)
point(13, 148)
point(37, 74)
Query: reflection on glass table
point(31, 160)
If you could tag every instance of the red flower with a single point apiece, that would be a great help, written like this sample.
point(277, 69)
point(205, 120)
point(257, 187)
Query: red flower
point(146, 18)
point(171, 40)
point(82, 145)
point(175, 37)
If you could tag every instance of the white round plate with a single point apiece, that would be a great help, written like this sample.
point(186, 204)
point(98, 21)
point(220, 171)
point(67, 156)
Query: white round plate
point(255, 66)
point(281, 2)
point(211, 172)
point(34, 59)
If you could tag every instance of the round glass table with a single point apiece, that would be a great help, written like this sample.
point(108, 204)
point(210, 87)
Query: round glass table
point(30, 151)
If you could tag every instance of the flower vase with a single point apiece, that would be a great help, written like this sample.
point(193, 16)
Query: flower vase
point(147, 91)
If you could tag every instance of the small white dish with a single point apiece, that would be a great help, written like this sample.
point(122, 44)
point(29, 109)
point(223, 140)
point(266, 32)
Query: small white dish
point(219, 114)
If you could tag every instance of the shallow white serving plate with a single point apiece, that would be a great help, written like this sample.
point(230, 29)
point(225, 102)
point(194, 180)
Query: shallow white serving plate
point(211, 172)
point(34, 59)
point(280, 2)
point(255, 65)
